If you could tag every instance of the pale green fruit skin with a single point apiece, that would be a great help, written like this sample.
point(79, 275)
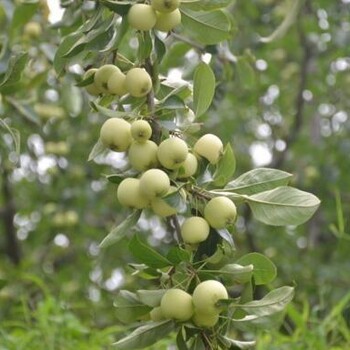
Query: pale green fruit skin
point(141, 130)
point(33, 30)
point(195, 230)
point(71, 218)
point(115, 134)
point(116, 84)
point(92, 89)
point(143, 156)
point(156, 314)
point(102, 76)
point(220, 212)
point(138, 82)
point(206, 295)
point(210, 147)
point(129, 194)
point(177, 304)
point(162, 208)
point(172, 152)
point(168, 21)
point(189, 167)
point(205, 320)
point(165, 5)
point(154, 183)
point(142, 17)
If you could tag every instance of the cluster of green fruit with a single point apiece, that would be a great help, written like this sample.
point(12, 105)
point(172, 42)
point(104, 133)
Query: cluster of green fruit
point(173, 155)
point(201, 307)
point(162, 15)
point(109, 79)
point(65, 219)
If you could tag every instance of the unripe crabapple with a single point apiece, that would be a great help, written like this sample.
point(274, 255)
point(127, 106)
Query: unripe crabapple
point(115, 134)
point(138, 82)
point(92, 89)
point(142, 17)
point(165, 5)
point(143, 155)
point(116, 84)
point(220, 212)
point(172, 152)
point(154, 183)
point(129, 194)
point(103, 74)
point(210, 147)
point(141, 130)
point(188, 167)
point(168, 21)
point(195, 230)
point(177, 304)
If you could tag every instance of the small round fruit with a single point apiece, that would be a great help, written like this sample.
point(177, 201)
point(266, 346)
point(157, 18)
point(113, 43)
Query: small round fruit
point(168, 21)
point(177, 304)
point(32, 30)
point(195, 230)
point(154, 183)
point(103, 74)
point(116, 84)
point(188, 167)
point(220, 212)
point(142, 17)
point(71, 217)
point(210, 147)
point(172, 152)
point(165, 5)
point(115, 134)
point(92, 89)
point(138, 82)
point(156, 314)
point(141, 130)
point(162, 208)
point(143, 156)
point(129, 194)
point(206, 295)
point(205, 320)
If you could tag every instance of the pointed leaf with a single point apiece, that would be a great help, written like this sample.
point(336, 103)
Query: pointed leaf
point(225, 168)
point(98, 149)
point(151, 298)
point(264, 269)
point(146, 335)
point(283, 206)
point(119, 231)
point(146, 254)
point(129, 307)
point(14, 70)
point(259, 180)
point(203, 88)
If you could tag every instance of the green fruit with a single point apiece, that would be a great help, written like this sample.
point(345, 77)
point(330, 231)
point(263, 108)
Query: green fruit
point(141, 130)
point(156, 314)
point(210, 147)
point(32, 30)
point(102, 76)
point(143, 156)
point(92, 89)
point(220, 212)
point(116, 84)
point(154, 183)
point(168, 21)
point(172, 152)
point(115, 134)
point(188, 167)
point(138, 82)
point(206, 295)
point(195, 230)
point(142, 17)
point(129, 194)
point(165, 5)
point(177, 304)
point(71, 218)
point(205, 320)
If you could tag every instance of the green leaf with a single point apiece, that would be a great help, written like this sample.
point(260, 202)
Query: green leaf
point(146, 254)
point(235, 273)
point(246, 73)
point(14, 70)
point(87, 81)
point(23, 13)
point(151, 298)
point(145, 45)
point(72, 99)
point(119, 231)
point(273, 302)
point(176, 200)
point(109, 112)
point(160, 48)
point(207, 28)
point(205, 5)
point(283, 206)
point(259, 180)
point(146, 335)
point(177, 255)
point(25, 110)
point(238, 344)
point(203, 88)
point(264, 269)
point(225, 168)
point(180, 340)
point(129, 307)
point(226, 235)
point(98, 149)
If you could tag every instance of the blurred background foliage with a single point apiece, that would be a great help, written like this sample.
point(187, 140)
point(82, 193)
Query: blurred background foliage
point(282, 104)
